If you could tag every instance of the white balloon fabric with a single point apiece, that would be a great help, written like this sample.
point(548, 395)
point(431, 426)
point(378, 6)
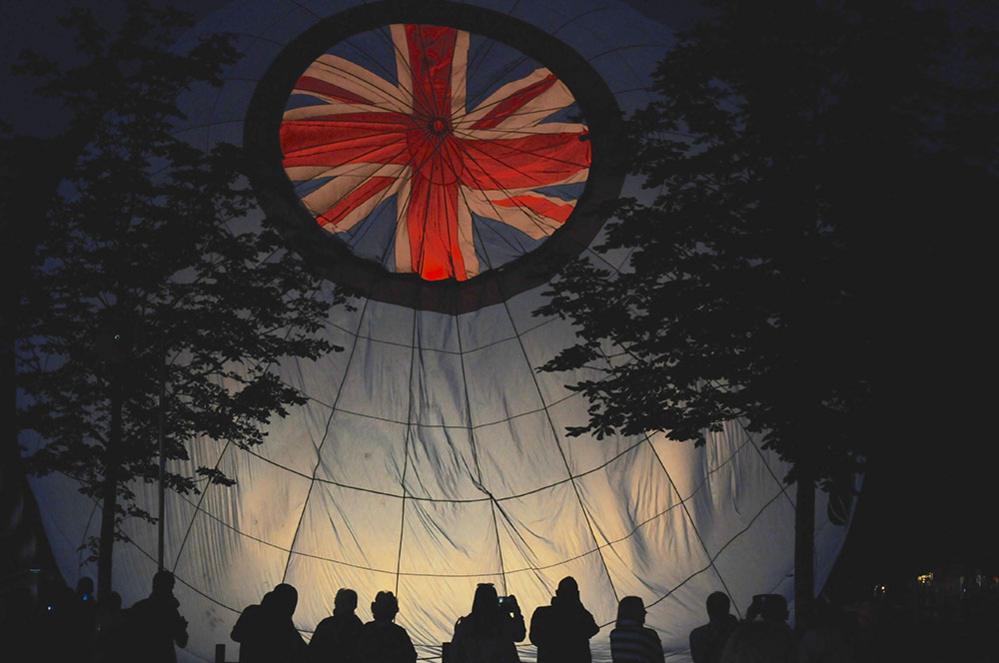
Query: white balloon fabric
point(432, 455)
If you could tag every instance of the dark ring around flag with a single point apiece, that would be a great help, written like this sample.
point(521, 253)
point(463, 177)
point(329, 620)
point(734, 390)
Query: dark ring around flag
point(332, 259)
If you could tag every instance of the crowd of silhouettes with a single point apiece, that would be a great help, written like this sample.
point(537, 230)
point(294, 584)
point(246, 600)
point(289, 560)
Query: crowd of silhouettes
point(764, 635)
point(73, 626)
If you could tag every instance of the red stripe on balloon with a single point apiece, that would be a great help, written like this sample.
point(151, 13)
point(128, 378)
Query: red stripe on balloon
point(343, 139)
point(431, 50)
point(514, 102)
point(432, 226)
point(532, 161)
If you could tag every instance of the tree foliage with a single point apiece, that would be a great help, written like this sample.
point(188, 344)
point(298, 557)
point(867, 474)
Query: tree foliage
point(794, 152)
point(149, 278)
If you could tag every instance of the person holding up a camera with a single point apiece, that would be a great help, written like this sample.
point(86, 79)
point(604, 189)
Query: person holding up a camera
point(488, 634)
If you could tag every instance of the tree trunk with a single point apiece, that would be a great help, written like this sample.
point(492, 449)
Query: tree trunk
point(110, 493)
point(161, 519)
point(804, 549)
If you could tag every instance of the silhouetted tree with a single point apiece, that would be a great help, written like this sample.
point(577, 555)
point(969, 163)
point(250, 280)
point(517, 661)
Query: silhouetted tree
point(149, 285)
point(794, 153)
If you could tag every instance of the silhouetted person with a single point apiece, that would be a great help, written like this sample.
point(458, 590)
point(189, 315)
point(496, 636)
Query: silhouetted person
point(764, 637)
point(82, 620)
point(707, 642)
point(249, 632)
point(631, 641)
point(335, 639)
point(489, 632)
point(110, 640)
point(154, 624)
point(562, 631)
point(381, 640)
point(289, 645)
point(266, 632)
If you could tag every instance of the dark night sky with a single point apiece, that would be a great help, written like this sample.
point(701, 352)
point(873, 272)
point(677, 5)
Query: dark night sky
point(930, 492)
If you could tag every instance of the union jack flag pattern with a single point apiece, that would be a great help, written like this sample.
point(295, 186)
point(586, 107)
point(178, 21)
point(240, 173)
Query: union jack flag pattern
point(362, 141)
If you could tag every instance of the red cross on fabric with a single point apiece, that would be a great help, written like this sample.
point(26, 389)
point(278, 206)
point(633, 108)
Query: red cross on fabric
point(370, 139)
